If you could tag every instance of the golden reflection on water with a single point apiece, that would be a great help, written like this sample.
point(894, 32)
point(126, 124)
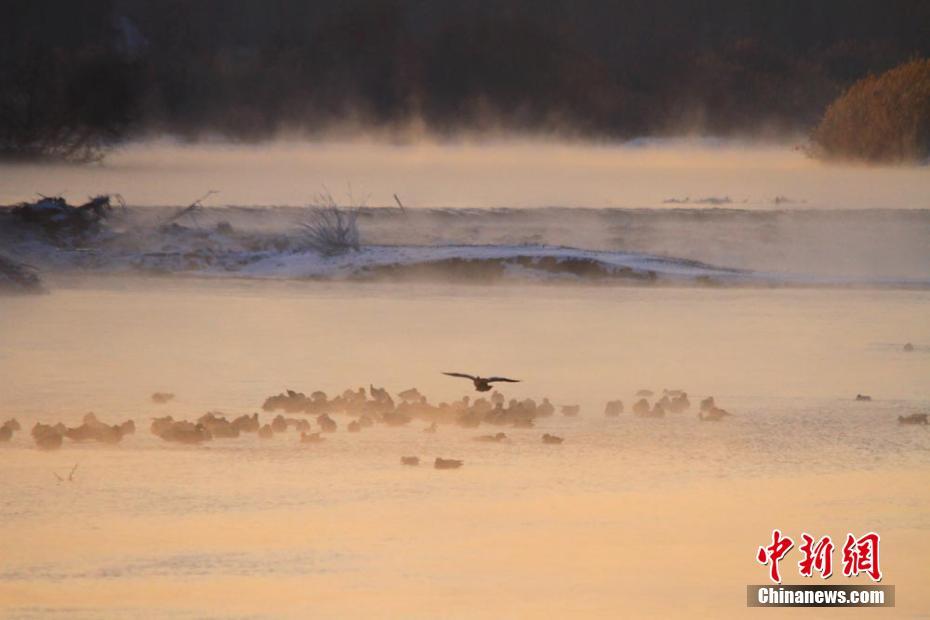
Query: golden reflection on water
point(634, 518)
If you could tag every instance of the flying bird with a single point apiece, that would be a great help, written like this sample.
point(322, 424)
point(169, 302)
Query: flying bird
point(482, 384)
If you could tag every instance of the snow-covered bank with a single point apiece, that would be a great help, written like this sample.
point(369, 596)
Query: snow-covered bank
point(723, 247)
point(489, 264)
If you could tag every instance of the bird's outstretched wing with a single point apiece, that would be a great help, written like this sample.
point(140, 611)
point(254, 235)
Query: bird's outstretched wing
point(459, 374)
point(498, 379)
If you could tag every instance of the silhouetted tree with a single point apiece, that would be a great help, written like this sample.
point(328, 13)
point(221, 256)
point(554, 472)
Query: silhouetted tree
point(80, 75)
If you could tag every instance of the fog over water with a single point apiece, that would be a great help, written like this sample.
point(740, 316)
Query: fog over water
point(756, 206)
point(632, 516)
point(618, 512)
point(479, 173)
point(451, 310)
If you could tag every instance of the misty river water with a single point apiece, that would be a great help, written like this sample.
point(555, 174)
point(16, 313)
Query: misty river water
point(630, 517)
point(530, 172)
point(607, 521)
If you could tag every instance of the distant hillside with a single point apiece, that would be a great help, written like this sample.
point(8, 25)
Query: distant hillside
point(79, 76)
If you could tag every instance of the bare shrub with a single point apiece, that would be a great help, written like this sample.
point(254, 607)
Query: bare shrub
point(884, 118)
point(330, 229)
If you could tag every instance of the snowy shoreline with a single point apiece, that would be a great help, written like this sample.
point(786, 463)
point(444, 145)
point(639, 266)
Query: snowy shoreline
point(475, 247)
point(452, 264)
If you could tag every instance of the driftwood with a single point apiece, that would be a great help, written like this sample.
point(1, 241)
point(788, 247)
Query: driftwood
point(190, 210)
point(400, 204)
point(64, 224)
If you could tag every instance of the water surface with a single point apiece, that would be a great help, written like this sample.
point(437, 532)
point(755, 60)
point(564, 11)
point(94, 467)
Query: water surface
point(615, 521)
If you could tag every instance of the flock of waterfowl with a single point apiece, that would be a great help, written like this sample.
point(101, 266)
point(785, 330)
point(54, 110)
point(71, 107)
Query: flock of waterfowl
point(50, 437)
point(366, 408)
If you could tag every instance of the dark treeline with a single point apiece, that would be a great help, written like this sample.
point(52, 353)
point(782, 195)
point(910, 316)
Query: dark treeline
point(78, 75)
